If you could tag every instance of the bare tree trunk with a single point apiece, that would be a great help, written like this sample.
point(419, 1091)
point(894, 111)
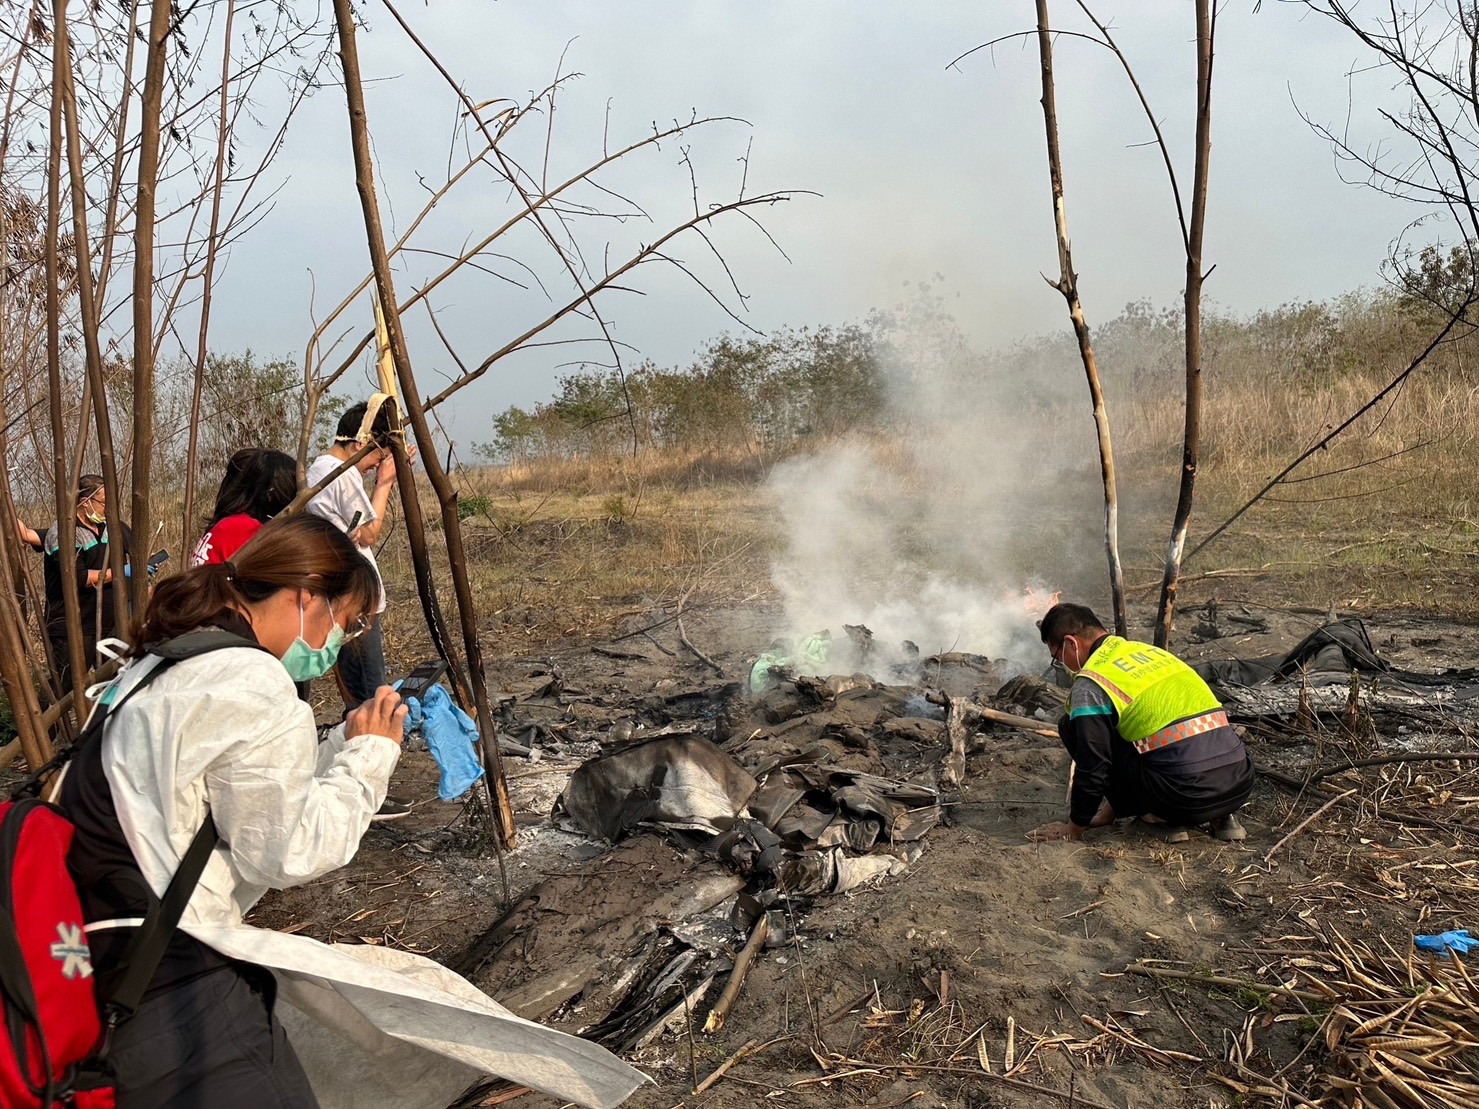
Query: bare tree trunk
point(446, 495)
point(14, 674)
point(1067, 284)
point(1191, 442)
point(192, 450)
point(66, 493)
point(143, 292)
point(120, 156)
point(94, 388)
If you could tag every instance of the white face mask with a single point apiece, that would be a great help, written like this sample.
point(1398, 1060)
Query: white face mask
point(1061, 662)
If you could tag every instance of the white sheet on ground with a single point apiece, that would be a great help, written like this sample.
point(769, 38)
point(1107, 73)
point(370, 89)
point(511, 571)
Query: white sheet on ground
point(376, 1028)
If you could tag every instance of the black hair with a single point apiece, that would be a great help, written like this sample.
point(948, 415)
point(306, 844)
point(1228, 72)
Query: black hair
point(259, 483)
point(295, 552)
point(88, 485)
point(354, 416)
point(1068, 619)
point(348, 429)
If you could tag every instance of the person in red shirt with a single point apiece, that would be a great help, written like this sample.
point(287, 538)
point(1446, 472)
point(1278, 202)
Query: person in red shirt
point(259, 483)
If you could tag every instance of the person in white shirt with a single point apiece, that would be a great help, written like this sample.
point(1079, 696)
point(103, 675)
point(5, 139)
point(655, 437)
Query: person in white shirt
point(360, 515)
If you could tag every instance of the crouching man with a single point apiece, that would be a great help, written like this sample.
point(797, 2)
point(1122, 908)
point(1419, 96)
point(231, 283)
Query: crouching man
point(1147, 736)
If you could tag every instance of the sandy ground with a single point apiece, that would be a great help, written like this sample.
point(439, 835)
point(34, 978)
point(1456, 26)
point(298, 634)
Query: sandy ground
point(989, 951)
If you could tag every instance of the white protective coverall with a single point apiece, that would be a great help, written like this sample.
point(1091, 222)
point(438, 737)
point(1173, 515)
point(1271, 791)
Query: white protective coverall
point(373, 1027)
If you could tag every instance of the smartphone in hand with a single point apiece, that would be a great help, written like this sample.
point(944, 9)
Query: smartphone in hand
point(421, 679)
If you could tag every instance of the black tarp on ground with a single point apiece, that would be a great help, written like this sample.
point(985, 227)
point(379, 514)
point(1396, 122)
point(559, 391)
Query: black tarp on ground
point(1327, 655)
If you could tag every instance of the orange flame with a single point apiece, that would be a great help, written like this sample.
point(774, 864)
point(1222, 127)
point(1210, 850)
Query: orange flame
point(1035, 602)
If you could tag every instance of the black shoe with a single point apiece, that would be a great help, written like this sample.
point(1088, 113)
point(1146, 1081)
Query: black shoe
point(393, 809)
point(1229, 829)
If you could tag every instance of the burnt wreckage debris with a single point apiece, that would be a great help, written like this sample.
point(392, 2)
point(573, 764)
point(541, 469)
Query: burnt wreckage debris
point(762, 802)
point(765, 801)
point(730, 809)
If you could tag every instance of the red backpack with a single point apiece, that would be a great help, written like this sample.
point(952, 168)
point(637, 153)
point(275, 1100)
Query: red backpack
point(51, 1013)
point(54, 1039)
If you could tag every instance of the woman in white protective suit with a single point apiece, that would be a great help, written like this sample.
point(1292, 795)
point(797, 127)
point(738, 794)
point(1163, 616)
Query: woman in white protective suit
point(238, 1017)
point(225, 732)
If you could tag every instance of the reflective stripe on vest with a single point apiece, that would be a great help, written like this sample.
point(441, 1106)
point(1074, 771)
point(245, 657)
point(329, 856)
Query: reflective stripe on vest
point(1150, 689)
point(1183, 729)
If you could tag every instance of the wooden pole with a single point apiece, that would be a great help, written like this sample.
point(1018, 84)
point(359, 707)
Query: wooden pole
point(446, 495)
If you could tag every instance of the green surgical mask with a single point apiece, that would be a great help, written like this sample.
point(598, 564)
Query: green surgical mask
point(304, 663)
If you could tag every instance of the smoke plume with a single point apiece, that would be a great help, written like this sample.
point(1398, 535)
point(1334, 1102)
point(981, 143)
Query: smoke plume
point(983, 486)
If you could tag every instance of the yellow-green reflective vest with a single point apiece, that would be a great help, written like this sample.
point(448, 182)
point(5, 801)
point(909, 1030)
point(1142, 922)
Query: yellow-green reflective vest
point(1160, 699)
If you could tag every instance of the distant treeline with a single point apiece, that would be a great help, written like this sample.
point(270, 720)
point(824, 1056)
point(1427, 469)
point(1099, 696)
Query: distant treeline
point(760, 393)
point(739, 393)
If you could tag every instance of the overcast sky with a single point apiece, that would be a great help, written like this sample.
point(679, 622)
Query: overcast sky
point(921, 169)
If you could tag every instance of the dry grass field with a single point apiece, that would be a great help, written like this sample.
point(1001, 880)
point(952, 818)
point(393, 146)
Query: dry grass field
point(1386, 518)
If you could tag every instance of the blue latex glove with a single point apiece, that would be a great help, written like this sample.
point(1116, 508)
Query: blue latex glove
point(451, 735)
point(1459, 941)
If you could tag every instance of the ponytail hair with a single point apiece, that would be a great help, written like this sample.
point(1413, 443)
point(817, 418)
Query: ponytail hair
point(296, 552)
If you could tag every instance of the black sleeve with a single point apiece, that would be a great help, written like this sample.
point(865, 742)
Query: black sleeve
point(1091, 741)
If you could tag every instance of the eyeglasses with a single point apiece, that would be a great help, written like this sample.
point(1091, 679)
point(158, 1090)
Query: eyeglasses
point(1057, 656)
point(353, 629)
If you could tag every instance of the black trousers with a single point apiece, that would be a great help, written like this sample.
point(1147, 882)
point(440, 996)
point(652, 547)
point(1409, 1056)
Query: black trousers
point(61, 652)
point(1136, 788)
point(210, 1043)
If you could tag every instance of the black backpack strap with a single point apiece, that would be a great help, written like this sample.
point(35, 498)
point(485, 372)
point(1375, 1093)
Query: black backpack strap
point(31, 787)
point(199, 642)
point(142, 956)
point(146, 949)
point(152, 938)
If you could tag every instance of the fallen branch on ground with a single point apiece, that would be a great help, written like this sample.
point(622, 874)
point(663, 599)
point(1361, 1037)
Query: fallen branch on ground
point(1386, 760)
point(683, 639)
point(1306, 821)
point(1226, 983)
point(742, 963)
point(1298, 785)
point(994, 716)
point(748, 1048)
